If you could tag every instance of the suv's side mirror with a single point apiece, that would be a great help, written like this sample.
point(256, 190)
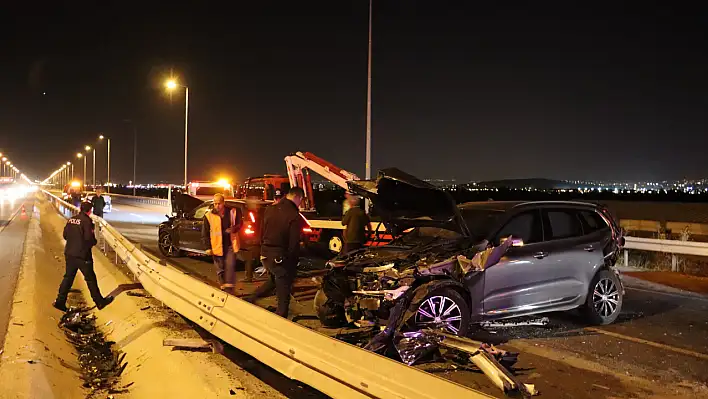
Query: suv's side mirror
point(515, 241)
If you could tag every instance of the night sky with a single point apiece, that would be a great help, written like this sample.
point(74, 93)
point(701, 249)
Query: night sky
point(464, 90)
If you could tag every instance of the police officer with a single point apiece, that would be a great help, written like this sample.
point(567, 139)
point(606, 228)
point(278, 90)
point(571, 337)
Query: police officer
point(280, 247)
point(80, 238)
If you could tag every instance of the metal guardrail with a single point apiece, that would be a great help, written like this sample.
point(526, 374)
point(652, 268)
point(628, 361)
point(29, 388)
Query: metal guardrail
point(333, 367)
point(673, 247)
point(120, 198)
point(677, 247)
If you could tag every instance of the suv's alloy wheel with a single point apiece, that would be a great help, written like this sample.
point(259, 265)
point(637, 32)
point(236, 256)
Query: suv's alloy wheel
point(444, 309)
point(604, 300)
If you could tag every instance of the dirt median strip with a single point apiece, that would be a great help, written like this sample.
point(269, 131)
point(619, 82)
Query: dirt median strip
point(672, 279)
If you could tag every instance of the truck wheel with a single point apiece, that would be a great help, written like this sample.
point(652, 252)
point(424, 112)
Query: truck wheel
point(335, 244)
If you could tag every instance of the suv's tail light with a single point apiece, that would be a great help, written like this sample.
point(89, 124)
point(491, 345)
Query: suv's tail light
point(252, 216)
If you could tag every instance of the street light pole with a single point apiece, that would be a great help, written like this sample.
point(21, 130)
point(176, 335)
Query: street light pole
point(368, 105)
point(93, 173)
point(171, 85)
point(186, 118)
point(368, 101)
point(108, 169)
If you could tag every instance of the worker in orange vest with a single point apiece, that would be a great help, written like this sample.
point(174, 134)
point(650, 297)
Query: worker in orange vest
point(220, 237)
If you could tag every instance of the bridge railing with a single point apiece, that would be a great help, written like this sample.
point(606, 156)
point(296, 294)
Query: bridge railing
point(129, 199)
point(331, 366)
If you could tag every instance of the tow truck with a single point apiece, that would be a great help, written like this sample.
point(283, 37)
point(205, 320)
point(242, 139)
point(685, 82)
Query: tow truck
point(325, 230)
point(205, 190)
point(265, 188)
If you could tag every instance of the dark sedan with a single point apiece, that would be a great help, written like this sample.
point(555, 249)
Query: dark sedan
point(181, 233)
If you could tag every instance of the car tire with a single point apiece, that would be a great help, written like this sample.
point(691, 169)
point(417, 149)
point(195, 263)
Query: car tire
point(604, 299)
point(165, 245)
point(454, 306)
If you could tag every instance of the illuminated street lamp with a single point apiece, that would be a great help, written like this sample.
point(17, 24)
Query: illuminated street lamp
point(72, 169)
point(108, 178)
point(93, 174)
point(172, 85)
point(83, 177)
point(3, 165)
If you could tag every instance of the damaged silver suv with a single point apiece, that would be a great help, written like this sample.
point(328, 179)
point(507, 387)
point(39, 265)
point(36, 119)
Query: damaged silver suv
point(452, 266)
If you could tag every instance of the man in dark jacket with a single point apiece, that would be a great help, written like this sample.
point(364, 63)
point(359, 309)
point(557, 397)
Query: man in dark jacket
point(220, 237)
point(357, 224)
point(98, 203)
point(280, 248)
point(75, 197)
point(80, 238)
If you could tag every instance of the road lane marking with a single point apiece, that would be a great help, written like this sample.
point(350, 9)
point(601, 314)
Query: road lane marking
point(650, 343)
point(137, 216)
point(14, 214)
point(684, 296)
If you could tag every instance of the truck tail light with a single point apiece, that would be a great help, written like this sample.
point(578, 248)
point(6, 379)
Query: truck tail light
point(307, 229)
point(249, 230)
point(252, 216)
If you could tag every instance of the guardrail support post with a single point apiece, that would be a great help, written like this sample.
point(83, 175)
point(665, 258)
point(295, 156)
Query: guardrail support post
point(626, 258)
point(674, 263)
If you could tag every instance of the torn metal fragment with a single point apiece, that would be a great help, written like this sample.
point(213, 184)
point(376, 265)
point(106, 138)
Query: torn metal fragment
point(542, 321)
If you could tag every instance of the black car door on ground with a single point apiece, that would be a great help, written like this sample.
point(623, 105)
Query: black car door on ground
point(189, 229)
point(517, 282)
point(574, 256)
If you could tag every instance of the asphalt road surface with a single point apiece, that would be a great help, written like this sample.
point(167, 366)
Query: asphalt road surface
point(13, 228)
point(657, 348)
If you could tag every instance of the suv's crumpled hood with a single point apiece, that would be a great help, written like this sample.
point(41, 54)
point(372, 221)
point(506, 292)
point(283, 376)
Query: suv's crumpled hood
point(406, 201)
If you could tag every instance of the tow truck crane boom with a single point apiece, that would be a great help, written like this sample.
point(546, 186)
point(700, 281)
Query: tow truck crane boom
point(299, 166)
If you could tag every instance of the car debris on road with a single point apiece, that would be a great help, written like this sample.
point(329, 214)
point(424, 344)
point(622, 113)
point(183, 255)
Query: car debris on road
point(541, 322)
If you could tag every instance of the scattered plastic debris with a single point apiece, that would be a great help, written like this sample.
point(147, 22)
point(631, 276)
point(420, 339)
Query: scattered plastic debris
point(543, 321)
point(138, 294)
point(17, 324)
point(194, 343)
point(108, 323)
point(145, 307)
point(101, 366)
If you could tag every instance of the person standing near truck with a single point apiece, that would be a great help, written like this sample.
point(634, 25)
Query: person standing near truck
point(280, 248)
point(220, 237)
point(356, 223)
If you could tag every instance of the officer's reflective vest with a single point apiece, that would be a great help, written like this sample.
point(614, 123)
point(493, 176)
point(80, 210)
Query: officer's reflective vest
point(215, 234)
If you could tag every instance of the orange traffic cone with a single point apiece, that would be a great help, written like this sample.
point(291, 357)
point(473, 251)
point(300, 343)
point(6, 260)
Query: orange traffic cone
point(23, 213)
